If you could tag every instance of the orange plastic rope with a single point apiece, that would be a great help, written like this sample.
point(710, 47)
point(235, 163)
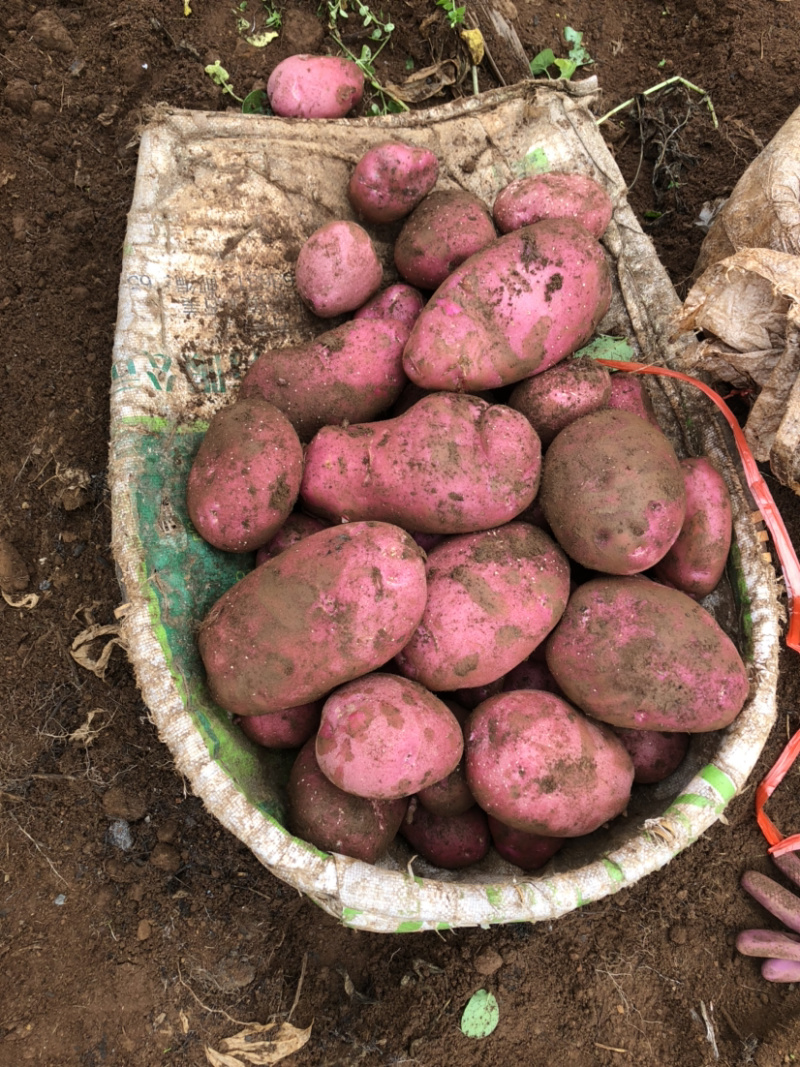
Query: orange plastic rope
point(791, 576)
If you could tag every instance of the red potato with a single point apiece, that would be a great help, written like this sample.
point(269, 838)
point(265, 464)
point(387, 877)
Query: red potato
point(780, 902)
point(553, 196)
point(613, 492)
point(351, 373)
point(655, 754)
point(445, 229)
point(558, 396)
point(531, 674)
point(383, 736)
point(337, 269)
point(539, 765)
point(451, 464)
point(400, 301)
point(296, 527)
point(527, 851)
point(636, 654)
point(469, 697)
point(336, 821)
point(492, 598)
point(450, 795)
point(390, 180)
point(696, 561)
point(449, 841)
point(775, 944)
point(315, 87)
point(245, 476)
point(629, 393)
point(289, 728)
point(781, 970)
point(334, 606)
point(514, 309)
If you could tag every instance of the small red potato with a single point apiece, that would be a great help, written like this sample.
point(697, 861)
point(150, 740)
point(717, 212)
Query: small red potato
point(445, 229)
point(511, 310)
point(527, 851)
point(351, 373)
point(629, 393)
point(781, 970)
point(245, 476)
point(613, 492)
point(655, 754)
point(337, 269)
point(390, 180)
point(558, 396)
point(289, 728)
point(383, 736)
point(553, 196)
point(315, 87)
point(539, 765)
point(492, 598)
point(448, 841)
point(450, 464)
point(775, 944)
point(636, 654)
point(696, 561)
point(332, 607)
point(296, 527)
point(450, 796)
point(469, 697)
point(399, 301)
point(780, 902)
point(336, 821)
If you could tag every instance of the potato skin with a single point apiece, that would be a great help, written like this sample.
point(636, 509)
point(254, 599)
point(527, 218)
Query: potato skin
point(553, 196)
point(446, 228)
point(295, 528)
point(539, 765)
point(450, 464)
point(336, 821)
point(390, 180)
point(399, 301)
point(612, 492)
point(353, 372)
point(289, 728)
point(384, 737)
point(492, 598)
point(337, 269)
point(558, 396)
point(332, 607)
point(527, 851)
point(636, 654)
point(511, 310)
point(449, 796)
point(629, 393)
point(655, 754)
point(696, 561)
point(245, 476)
point(448, 841)
point(315, 87)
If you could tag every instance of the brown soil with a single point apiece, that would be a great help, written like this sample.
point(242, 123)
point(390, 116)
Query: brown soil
point(145, 956)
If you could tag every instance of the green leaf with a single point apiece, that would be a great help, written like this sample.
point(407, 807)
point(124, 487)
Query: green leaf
point(607, 347)
point(542, 60)
point(566, 68)
point(481, 1015)
point(256, 103)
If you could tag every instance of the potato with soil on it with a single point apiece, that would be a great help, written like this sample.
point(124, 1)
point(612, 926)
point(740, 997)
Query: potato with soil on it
point(655, 754)
point(636, 654)
point(335, 821)
point(295, 528)
point(315, 87)
point(514, 309)
point(555, 195)
point(449, 841)
point(337, 269)
point(492, 598)
point(558, 396)
point(613, 492)
point(289, 728)
point(696, 561)
point(390, 180)
point(399, 301)
point(445, 229)
point(383, 736)
point(450, 795)
point(539, 765)
point(629, 393)
point(245, 477)
point(334, 606)
point(351, 373)
point(450, 464)
point(526, 851)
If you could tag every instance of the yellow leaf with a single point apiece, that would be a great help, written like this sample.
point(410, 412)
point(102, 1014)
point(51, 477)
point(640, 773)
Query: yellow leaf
point(473, 39)
point(259, 1045)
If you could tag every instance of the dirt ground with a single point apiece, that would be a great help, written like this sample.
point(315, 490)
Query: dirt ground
point(143, 951)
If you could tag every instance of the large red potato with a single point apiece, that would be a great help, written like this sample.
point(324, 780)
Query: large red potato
point(613, 492)
point(537, 764)
point(334, 606)
point(245, 476)
point(636, 654)
point(553, 196)
point(315, 87)
point(450, 464)
point(492, 598)
point(514, 309)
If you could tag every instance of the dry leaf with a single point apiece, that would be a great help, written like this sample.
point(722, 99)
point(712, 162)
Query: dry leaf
point(473, 39)
point(259, 1045)
point(5, 178)
point(424, 84)
point(82, 655)
point(29, 601)
point(85, 734)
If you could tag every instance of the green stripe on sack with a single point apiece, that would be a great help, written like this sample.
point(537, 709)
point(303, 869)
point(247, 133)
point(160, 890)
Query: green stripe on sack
point(410, 926)
point(615, 872)
point(720, 781)
point(697, 801)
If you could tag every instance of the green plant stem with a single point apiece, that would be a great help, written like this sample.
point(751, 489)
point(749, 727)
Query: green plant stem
point(376, 85)
point(663, 85)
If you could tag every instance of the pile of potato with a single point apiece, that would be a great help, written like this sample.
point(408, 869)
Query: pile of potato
point(469, 640)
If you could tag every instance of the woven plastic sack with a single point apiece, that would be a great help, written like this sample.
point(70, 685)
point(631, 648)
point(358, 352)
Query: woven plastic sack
point(221, 206)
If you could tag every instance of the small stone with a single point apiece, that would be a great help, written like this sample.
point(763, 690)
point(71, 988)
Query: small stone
point(120, 804)
point(60, 900)
point(488, 961)
point(120, 836)
point(166, 858)
point(143, 930)
point(77, 67)
point(678, 935)
point(49, 32)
